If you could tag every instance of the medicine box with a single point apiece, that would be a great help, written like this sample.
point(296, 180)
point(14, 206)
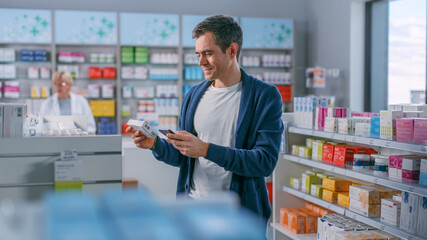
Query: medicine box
point(328, 153)
point(411, 170)
point(375, 127)
point(409, 212)
point(330, 196)
point(307, 180)
point(338, 185)
point(304, 152)
point(310, 222)
point(365, 209)
point(388, 123)
point(390, 211)
point(423, 172)
point(343, 199)
point(316, 190)
point(343, 156)
point(422, 217)
point(420, 131)
point(395, 166)
point(296, 222)
point(317, 150)
point(14, 117)
point(405, 130)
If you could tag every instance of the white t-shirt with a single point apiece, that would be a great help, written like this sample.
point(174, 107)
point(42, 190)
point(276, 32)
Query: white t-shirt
point(215, 121)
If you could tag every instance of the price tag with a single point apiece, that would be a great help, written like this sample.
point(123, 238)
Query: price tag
point(424, 148)
point(376, 180)
point(354, 216)
point(70, 154)
point(329, 206)
point(411, 189)
point(382, 227)
point(371, 141)
point(354, 139)
point(332, 169)
point(387, 144)
point(312, 132)
point(333, 135)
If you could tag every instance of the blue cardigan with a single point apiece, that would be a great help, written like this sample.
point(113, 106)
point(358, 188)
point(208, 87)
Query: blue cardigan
point(257, 141)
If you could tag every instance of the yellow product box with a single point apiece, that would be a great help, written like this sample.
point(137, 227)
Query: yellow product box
point(295, 150)
point(330, 196)
point(304, 152)
point(334, 184)
point(103, 108)
point(365, 209)
point(343, 199)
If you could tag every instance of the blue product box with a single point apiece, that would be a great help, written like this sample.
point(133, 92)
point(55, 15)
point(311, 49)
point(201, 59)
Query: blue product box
point(40, 58)
point(27, 58)
point(423, 172)
point(40, 52)
point(27, 52)
point(375, 127)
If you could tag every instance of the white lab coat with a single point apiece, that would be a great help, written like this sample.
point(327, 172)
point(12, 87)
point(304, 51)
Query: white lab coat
point(79, 106)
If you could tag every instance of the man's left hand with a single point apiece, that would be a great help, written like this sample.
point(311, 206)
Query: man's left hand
point(188, 144)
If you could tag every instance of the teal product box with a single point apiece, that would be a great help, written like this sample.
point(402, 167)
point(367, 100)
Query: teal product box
point(375, 127)
point(423, 173)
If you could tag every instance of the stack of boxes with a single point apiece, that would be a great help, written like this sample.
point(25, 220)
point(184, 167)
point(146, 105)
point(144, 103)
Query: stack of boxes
point(366, 200)
point(36, 55)
point(128, 55)
point(134, 73)
point(306, 114)
point(333, 186)
point(134, 55)
point(105, 127)
point(413, 216)
point(193, 73)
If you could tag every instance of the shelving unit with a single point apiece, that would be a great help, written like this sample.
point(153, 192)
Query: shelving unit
point(292, 235)
point(291, 166)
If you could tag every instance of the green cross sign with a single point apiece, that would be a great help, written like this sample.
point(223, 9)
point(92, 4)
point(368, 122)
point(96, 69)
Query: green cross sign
point(37, 18)
point(44, 23)
point(101, 33)
point(34, 31)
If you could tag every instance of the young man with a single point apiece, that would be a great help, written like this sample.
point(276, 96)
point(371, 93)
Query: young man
point(230, 124)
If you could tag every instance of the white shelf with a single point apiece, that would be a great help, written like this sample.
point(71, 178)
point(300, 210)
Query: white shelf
point(414, 188)
point(418, 148)
point(374, 222)
point(280, 228)
point(333, 207)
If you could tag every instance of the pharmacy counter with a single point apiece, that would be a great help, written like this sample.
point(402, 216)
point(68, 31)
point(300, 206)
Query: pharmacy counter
point(155, 176)
point(27, 164)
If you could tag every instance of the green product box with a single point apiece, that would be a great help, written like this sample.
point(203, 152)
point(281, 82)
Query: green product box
point(127, 60)
point(141, 60)
point(316, 190)
point(317, 151)
point(307, 180)
point(295, 150)
point(141, 49)
point(127, 50)
point(309, 142)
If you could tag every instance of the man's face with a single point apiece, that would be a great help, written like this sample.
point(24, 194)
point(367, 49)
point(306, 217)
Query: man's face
point(62, 88)
point(214, 62)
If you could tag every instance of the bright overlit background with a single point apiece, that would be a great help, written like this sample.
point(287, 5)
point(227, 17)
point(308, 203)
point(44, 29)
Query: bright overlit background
point(407, 51)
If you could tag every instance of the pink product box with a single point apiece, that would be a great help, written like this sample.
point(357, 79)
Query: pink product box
point(405, 129)
point(395, 165)
point(356, 114)
point(411, 170)
point(339, 112)
point(420, 130)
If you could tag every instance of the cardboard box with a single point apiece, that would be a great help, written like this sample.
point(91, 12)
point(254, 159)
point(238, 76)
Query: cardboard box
point(423, 172)
point(310, 222)
point(343, 156)
point(390, 211)
point(317, 150)
point(296, 222)
point(388, 124)
point(338, 185)
point(328, 153)
point(409, 212)
point(330, 196)
point(395, 165)
point(14, 117)
point(365, 209)
point(420, 131)
point(405, 130)
point(316, 190)
point(411, 170)
point(307, 180)
point(422, 217)
point(343, 199)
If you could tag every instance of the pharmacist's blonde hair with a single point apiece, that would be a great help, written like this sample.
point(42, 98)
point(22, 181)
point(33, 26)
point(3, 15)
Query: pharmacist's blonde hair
point(62, 75)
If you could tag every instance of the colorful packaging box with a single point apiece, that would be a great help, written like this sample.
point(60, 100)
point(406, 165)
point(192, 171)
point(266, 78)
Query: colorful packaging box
point(343, 199)
point(95, 72)
point(423, 173)
point(395, 166)
point(307, 180)
point(390, 211)
point(296, 222)
point(405, 130)
point(388, 124)
point(411, 170)
point(343, 156)
point(330, 196)
point(338, 185)
point(304, 152)
point(328, 153)
point(109, 73)
point(422, 217)
point(375, 127)
point(316, 190)
point(317, 150)
point(310, 222)
point(409, 212)
point(365, 209)
point(420, 130)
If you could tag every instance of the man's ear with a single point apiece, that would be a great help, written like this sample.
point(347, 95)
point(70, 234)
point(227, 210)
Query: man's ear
point(234, 47)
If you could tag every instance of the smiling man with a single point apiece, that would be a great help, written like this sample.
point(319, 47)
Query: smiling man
point(230, 124)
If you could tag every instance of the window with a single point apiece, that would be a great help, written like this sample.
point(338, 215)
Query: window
point(407, 51)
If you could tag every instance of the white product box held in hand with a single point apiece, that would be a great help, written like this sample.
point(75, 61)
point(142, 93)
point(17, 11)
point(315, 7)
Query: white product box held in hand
point(142, 126)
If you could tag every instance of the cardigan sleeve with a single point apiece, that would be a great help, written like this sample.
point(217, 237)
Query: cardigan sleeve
point(260, 157)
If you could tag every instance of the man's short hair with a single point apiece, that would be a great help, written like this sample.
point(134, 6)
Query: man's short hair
point(224, 29)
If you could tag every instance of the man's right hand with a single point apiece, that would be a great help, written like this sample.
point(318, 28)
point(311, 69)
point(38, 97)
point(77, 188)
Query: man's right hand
point(140, 139)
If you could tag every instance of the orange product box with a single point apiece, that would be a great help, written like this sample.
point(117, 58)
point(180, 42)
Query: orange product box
point(284, 216)
point(330, 196)
point(309, 206)
point(334, 184)
point(328, 153)
point(109, 72)
point(344, 199)
point(310, 222)
point(343, 156)
point(95, 72)
point(286, 92)
point(296, 222)
point(324, 211)
point(316, 209)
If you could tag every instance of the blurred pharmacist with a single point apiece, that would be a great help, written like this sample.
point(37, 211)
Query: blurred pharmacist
point(230, 124)
point(64, 102)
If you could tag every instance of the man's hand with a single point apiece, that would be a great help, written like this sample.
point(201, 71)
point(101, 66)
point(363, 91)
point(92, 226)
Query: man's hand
point(188, 144)
point(140, 139)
